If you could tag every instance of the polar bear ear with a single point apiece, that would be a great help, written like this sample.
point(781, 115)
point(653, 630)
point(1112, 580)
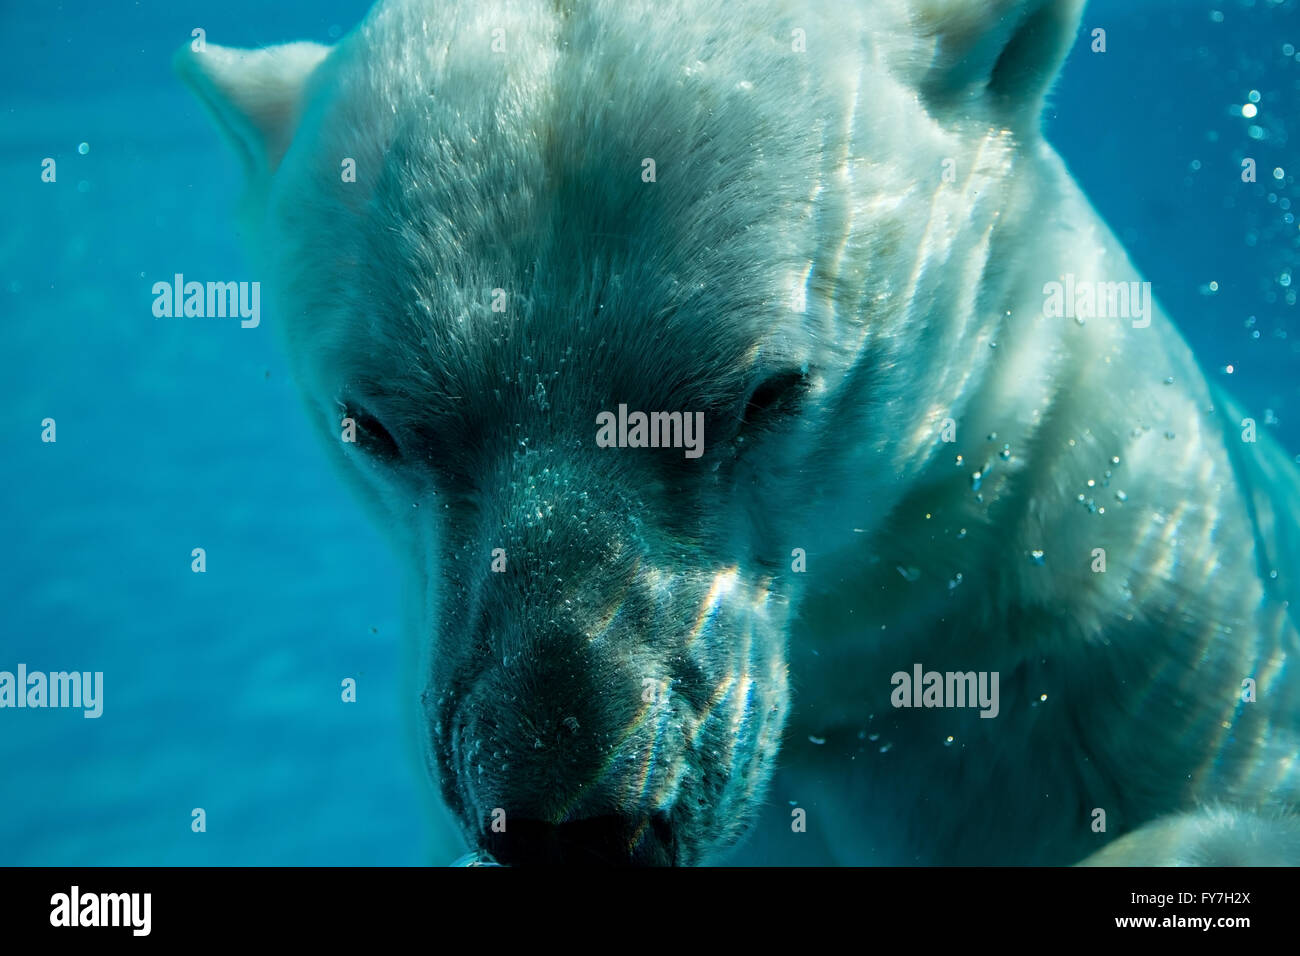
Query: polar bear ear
point(1001, 53)
point(255, 96)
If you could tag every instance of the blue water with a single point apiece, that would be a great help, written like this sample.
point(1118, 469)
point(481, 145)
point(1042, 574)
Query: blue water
point(223, 688)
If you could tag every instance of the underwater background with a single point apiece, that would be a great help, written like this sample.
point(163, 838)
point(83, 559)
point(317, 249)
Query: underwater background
point(222, 689)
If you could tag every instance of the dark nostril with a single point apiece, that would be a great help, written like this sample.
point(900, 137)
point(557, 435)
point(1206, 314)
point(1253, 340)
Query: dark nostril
point(595, 841)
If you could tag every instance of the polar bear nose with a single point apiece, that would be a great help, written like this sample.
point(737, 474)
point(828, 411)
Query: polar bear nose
point(596, 841)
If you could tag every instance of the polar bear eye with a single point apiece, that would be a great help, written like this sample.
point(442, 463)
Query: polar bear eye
point(776, 394)
point(372, 437)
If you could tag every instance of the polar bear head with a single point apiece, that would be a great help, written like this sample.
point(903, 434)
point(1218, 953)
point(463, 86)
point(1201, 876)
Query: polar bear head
point(498, 233)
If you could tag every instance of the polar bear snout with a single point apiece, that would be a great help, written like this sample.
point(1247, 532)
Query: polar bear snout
point(624, 710)
point(551, 754)
point(567, 753)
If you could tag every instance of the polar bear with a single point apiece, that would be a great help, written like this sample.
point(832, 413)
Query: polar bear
point(835, 232)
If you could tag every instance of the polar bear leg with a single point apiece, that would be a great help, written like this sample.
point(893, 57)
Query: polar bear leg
point(1216, 836)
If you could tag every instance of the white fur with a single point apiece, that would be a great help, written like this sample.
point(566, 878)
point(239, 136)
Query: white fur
point(521, 170)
